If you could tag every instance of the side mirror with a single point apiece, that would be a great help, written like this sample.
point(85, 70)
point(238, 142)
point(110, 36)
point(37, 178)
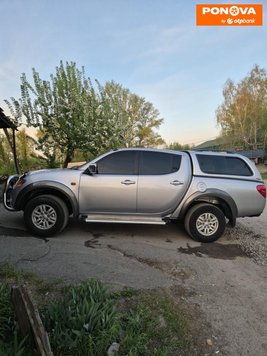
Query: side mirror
point(92, 169)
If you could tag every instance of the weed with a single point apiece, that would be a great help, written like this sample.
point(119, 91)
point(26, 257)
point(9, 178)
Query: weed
point(7, 315)
point(10, 344)
point(124, 293)
point(10, 274)
point(84, 321)
point(13, 347)
point(153, 326)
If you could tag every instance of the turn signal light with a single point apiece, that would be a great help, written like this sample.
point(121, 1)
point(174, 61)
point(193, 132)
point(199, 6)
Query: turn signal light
point(20, 182)
point(262, 190)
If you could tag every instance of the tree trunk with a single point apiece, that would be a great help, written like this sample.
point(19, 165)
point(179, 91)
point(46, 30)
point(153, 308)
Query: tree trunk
point(13, 147)
point(68, 158)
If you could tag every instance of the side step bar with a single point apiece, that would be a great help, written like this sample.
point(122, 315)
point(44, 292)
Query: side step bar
point(125, 219)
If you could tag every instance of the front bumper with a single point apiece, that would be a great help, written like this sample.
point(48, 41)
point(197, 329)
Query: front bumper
point(7, 197)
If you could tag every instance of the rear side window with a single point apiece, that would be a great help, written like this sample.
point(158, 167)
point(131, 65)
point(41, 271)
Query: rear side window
point(153, 163)
point(223, 165)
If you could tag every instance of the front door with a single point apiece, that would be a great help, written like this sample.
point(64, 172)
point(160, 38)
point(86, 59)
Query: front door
point(113, 188)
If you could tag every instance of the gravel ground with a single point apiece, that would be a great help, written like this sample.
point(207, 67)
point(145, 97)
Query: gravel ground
point(253, 244)
point(251, 234)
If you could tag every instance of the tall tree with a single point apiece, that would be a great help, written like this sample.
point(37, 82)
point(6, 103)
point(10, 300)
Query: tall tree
point(66, 109)
point(72, 114)
point(136, 118)
point(243, 114)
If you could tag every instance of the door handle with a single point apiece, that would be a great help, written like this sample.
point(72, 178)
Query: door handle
point(176, 182)
point(128, 182)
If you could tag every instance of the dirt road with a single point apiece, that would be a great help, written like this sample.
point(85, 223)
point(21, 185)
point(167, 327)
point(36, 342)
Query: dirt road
point(226, 286)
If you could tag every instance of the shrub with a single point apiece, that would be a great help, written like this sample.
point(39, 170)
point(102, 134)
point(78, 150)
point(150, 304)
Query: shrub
point(84, 321)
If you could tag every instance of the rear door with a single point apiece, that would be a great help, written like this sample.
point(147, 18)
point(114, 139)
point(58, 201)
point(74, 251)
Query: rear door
point(163, 180)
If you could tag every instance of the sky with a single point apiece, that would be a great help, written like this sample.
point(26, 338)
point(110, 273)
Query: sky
point(152, 47)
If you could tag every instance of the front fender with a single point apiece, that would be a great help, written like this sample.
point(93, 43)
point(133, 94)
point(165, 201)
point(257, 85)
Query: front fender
point(47, 187)
point(9, 184)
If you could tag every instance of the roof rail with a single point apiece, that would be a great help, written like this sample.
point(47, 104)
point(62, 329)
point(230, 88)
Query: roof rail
point(209, 150)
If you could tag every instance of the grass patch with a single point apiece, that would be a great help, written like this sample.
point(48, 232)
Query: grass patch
point(87, 318)
point(264, 175)
point(10, 274)
point(142, 324)
point(43, 292)
point(153, 326)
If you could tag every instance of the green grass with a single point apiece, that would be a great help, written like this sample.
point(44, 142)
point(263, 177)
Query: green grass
point(264, 175)
point(154, 326)
point(10, 344)
point(42, 291)
point(87, 318)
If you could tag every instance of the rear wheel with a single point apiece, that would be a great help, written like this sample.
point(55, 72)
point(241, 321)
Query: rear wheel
point(205, 222)
point(46, 215)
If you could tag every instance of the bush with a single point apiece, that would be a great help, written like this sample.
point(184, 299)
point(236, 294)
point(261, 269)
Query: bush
point(83, 322)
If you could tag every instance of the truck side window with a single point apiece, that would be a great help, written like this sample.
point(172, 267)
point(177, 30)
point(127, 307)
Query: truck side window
point(124, 163)
point(157, 163)
point(223, 165)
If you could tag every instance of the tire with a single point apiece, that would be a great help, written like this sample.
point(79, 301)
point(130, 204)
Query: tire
point(46, 215)
point(205, 222)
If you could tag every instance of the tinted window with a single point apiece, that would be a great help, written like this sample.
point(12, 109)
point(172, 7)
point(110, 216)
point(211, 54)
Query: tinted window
point(159, 163)
point(118, 163)
point(223, 165)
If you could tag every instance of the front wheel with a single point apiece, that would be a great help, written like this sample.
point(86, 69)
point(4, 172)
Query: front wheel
point(46, 215)
point(205, 222)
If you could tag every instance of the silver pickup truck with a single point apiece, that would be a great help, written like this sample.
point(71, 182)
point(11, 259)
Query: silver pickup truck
point(144, 186)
